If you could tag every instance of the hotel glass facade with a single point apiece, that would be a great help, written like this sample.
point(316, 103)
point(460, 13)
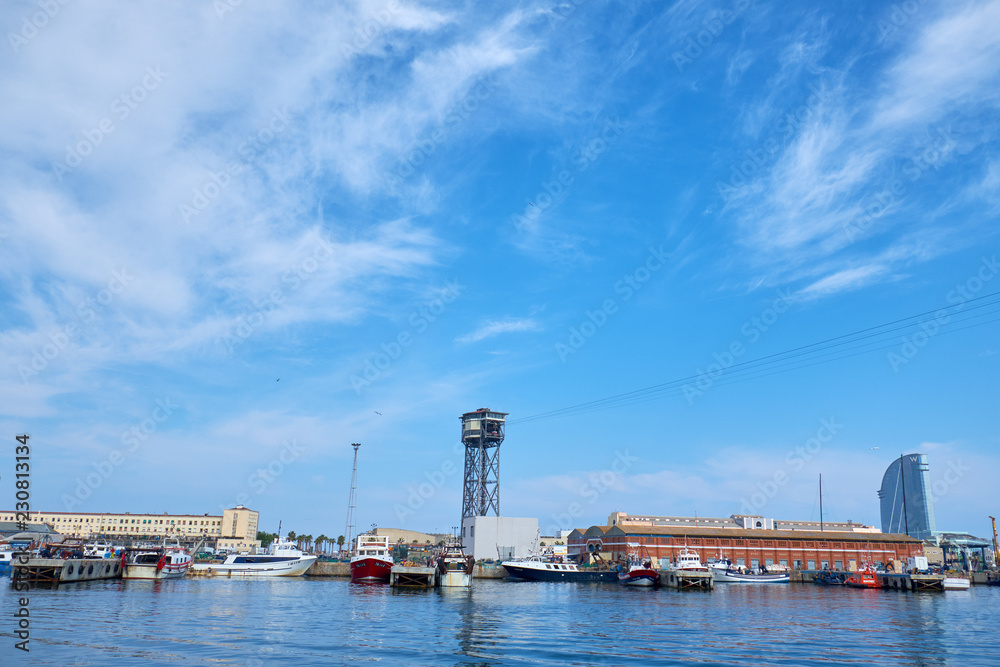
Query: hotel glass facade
point(914, 516)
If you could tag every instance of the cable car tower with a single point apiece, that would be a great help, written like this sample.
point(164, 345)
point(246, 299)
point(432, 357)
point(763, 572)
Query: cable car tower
point(482, 433)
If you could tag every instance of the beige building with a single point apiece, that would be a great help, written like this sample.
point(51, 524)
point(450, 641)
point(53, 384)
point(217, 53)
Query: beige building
point(236, 529)
point(239, 529)
point(733, 522)
point(409, 536)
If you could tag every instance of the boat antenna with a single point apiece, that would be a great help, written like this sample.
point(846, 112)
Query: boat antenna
point(821, 502)
point(352, 500)
point(279, 529)
point(902, 483)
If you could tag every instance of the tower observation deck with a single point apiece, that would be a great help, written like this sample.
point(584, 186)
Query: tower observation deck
point(482, 433)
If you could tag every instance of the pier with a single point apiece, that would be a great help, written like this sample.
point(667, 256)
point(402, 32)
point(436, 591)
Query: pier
point(413, 577)
point(60, 571)
point(687, 579)
point(911, 582)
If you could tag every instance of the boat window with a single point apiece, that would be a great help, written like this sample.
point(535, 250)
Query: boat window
point(548, 567)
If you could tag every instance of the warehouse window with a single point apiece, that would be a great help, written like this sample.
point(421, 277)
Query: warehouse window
point(811, 565)
point(838, 565)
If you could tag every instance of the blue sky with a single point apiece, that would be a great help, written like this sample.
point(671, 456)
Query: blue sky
point(236, 239)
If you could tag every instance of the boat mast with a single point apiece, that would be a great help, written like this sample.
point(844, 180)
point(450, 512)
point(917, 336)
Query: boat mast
point(821, 502)
point(902, 482)
point(352, 500)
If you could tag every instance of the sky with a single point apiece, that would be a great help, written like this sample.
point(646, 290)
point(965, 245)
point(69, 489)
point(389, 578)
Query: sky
point(237, 237)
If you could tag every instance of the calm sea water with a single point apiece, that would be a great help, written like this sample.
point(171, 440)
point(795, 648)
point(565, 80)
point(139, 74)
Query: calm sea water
point(304, 621)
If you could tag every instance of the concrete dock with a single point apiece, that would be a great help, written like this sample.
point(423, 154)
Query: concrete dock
point(413, 577)
point(687, 579)
point(60, 571)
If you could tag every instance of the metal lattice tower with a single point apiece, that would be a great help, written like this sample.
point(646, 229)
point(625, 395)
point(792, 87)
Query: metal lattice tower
point(352, 501)
point(482, 433)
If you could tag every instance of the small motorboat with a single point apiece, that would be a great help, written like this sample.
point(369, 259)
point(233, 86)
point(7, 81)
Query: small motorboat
point(828, 578)
point(638, 573)
point(454, 567)
point(169, 561)
point(864, 577)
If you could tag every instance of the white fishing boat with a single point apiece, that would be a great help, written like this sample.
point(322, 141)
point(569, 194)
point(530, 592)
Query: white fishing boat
point(169, 561)
point(725, 572)
point(454, 567)
point(283, 559)
point(99, 549)
point(689, 561)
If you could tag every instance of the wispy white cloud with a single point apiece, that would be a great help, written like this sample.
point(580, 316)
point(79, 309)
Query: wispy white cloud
point(496, 327)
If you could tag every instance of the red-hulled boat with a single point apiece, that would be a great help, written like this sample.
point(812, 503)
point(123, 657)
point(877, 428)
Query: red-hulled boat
point(865, 577)
point(372, 559)
point(638, 573)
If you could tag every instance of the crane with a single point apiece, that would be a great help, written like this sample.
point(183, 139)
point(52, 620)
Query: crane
point(996, 549)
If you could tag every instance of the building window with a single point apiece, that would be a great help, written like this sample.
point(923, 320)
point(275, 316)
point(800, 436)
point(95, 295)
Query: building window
point(769, 561)
point(838, 565)
point(783, 562)
point(825, 564)
point(798, 564)
point(811, 565)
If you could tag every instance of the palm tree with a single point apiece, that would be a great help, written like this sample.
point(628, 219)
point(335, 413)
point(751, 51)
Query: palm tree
point(340, 542)
point(291, 536)
point(322, 539)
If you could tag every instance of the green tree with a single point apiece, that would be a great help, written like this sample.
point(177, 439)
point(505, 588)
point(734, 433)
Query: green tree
point(320, 541)
point(291, 536)
point(340, 542)
point(265, 538)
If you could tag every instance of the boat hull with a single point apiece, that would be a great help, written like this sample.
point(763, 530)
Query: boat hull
point(370, 570)
point(455, 579)
point(723, 577)
point(639, 578)
point(955, 584)
point(533, 574)
point(149, 572)
point(295, 568)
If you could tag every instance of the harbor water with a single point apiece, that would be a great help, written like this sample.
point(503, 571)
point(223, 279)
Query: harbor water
point(323, 621)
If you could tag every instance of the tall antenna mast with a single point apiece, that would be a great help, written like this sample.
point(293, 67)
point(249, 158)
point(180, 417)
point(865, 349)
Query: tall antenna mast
point(352, 501)
point(821, 502)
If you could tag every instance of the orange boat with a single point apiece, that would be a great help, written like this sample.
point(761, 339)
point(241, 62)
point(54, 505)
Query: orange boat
point(865, 577)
